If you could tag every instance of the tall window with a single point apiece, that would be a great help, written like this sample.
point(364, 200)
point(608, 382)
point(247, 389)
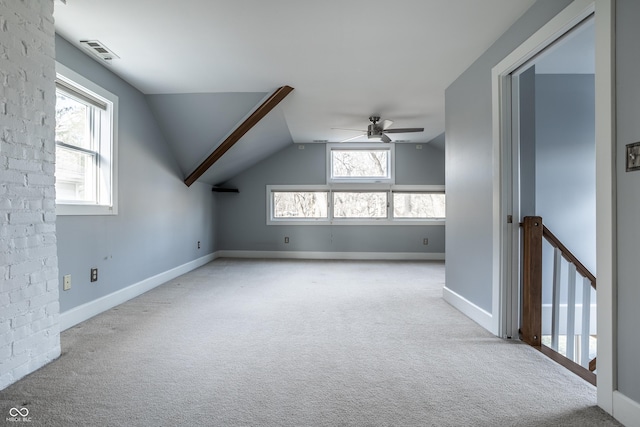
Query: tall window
point(85, 146)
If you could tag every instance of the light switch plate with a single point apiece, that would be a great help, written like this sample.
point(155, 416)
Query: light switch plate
point(633, 157)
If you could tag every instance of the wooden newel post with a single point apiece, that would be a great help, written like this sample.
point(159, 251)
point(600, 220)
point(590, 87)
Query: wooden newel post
point(532, 281)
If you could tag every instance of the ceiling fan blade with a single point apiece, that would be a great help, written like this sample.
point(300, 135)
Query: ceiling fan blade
point(404, 130)
point(353, 137)
point(386, 124)
point(357, 130)
point(385, 138)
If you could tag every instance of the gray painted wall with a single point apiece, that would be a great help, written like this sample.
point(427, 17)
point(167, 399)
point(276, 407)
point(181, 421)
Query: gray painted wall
point(565, 184)
point(193, 123)
point(566, 161)
point(527, 91)
point(557, 164)
point(159, 220)
point(469, 162)
point(242, 217)
point(628, 197)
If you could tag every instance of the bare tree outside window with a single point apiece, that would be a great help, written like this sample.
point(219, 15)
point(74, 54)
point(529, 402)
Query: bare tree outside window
point(419, 205)
point(75, 159)
point(72, 121)
point(299, 204)
point(359, 204)
point(360, 163)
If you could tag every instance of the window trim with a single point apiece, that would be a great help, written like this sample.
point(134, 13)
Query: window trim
point(364, 146)
point(330, 220)
point(99, 97)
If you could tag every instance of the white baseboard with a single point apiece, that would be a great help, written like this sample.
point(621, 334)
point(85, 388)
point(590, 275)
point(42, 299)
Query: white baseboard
point(387, 256)
point(625, 410)
point(469, 309)
point(85, 311)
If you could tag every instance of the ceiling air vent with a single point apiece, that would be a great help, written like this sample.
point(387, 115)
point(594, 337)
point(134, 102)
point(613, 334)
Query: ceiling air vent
point(99, 49)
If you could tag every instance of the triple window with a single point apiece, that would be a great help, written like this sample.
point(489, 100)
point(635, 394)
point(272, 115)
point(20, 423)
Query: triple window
point(329, 205)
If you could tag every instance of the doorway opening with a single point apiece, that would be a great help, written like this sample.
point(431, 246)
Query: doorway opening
point(503, 308)
point(552, 177)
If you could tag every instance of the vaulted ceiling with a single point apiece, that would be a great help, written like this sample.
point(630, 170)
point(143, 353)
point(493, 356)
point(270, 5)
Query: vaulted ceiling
point(206, 64)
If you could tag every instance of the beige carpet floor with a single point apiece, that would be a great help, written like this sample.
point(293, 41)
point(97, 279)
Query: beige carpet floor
point(298, 343)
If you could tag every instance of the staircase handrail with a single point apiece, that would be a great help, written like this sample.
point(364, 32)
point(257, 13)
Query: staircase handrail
point(568, 255)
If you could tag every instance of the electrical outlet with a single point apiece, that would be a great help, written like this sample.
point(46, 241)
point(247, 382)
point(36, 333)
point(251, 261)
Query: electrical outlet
point(66, 282)
point(633, 157)
point(425, 241)
point(94, 274)
point(198, 244)
point(286, 239)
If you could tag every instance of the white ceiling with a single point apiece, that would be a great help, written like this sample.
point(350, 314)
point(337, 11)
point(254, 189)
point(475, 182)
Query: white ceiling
point(346, 59)
point(202, 62)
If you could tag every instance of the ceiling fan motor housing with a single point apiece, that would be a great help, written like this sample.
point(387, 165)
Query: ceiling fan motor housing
point(374, 131)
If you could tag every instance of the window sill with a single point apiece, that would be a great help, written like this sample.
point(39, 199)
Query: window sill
point(84, 210)
point(381, 222)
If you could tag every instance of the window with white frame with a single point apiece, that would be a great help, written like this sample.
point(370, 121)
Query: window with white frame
point(299, 205)
point(360, 204)
point(409, 204)
point(418, 205)
point(85, 134)
point(361, 163)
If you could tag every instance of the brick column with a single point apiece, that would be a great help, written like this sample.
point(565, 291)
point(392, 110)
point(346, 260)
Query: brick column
point(29, 308)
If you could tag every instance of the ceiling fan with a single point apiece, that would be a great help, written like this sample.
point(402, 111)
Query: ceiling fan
point(379, 131)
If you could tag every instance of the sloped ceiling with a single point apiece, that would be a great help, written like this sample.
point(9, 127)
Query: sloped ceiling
point(267, 137)
point(195, 124)
point(346, 60)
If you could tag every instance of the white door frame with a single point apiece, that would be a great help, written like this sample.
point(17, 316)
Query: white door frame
point(573, 14)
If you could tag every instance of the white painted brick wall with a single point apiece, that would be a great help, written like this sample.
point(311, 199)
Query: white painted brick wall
point(29, 305)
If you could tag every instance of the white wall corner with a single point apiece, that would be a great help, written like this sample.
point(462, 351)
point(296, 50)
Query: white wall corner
point(625, 410)
point(469, 309)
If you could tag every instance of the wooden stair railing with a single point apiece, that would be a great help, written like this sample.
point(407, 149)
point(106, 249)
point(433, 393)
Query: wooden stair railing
point(531, 328)
point(566, 254)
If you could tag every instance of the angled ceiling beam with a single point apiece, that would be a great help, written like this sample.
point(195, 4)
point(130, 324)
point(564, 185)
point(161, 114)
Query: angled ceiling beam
point(235, 136)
